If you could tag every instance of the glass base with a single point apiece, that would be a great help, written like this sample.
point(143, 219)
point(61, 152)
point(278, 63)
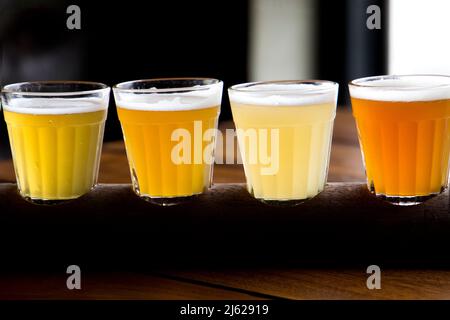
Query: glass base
point(167, 202)
point(160, 201)
point(283, 203)
point(47, 202)
point(52, 202)
point(407, 200)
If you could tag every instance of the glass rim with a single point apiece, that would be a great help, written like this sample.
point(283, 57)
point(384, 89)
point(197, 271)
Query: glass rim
point(362, 82)
point(198, 87)
point(15, 88)
point(243, 87)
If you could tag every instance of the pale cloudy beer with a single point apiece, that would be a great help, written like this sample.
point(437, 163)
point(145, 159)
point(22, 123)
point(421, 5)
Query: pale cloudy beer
point(404, 132)
point(284, 134)
point(55, 131)
point(169, 128)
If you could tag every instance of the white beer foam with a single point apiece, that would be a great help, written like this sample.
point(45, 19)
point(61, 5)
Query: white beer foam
point(407, 88)
point(55, 105)
point(269, 94)
point(166, 101)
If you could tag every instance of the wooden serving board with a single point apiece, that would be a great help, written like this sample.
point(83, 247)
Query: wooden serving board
point(112, 228)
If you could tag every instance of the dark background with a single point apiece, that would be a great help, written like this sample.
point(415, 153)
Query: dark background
point(129, 40)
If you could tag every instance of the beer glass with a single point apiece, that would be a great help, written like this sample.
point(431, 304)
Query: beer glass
point(404, 132)
point(284, 131)
point(55, 132)
point(169, 127)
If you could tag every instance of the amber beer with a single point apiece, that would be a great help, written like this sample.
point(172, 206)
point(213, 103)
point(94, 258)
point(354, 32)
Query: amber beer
point(169, 131)
point(55, 131)
point(404, 131)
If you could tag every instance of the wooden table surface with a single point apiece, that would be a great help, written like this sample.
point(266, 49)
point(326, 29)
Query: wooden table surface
point(284, 281)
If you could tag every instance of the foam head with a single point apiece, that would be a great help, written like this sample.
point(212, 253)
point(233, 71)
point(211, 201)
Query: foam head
point(154, 99)
point(55, 97)
point(401, 88)
point(284, 93)
point(55, 105)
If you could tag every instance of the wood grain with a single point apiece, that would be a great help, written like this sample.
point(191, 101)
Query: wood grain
point(111, 285)
point(254, 284)
point(330, 284)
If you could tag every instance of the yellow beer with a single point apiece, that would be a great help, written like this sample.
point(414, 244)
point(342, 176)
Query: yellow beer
point(292, 124)
point(169, 138)
point(56, 140)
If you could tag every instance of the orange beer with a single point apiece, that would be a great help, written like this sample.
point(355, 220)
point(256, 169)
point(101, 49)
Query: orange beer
point(404, 131)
